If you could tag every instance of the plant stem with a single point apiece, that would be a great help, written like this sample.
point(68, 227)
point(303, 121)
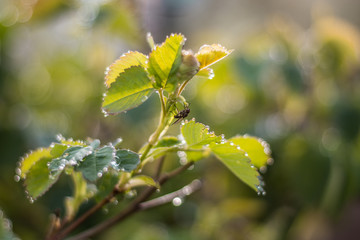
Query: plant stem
point(135, 206)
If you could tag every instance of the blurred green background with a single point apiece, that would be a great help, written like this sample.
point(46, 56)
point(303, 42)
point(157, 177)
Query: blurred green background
point(293, 79)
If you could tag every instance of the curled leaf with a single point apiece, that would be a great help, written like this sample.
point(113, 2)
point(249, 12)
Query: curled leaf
point(210, 54)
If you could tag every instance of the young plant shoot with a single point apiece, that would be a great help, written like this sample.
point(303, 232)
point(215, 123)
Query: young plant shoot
point(129, 82)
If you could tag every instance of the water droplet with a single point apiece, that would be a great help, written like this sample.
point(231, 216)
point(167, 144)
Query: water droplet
point(252, 166)
point(16, 178)
point(263, 169)
point(62, 166)
point(232, 144)
point(263, 193)
point(31, 200)
point(270, 161)
point(18, 171)
point(177, 201)
point(144, 98)
point(258, 193)
point(246, 154)
point(105, 169)
point(187, 190)
point(99, 174)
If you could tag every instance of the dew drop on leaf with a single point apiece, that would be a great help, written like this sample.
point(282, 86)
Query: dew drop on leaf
point(16, 178)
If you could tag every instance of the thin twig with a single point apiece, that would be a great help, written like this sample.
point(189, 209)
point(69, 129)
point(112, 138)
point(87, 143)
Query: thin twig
point(181, 193)
point(159, 167)
point(133, 208)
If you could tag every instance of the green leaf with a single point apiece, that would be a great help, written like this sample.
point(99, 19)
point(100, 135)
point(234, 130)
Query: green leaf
point(126, 160)
point(31, 159)
point(70, 157)
point(236, 161)
point(206, 73)
point(39, 179)
point(127, 60)
point(72, 204)
point(257, 149)
point(57, 149)
point(167, 141)
point(131, 88)
point(210, 54)
point(93, 166)
point(197, 134)
point(165, 59)
point(141, 180)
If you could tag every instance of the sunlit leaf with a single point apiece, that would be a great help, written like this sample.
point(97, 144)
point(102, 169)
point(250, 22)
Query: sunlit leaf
point(72, 204)
point(257, 149)
point(131, 88)
point(39, 179)
point(30, 159)
point(141, 180)
point(197, 136)
point(127, 60)
point(93, 166)
point(210, 54)
point(206, 73)
point(165, 59)
point(126, 160)
point(236, 161)
point(57, 149)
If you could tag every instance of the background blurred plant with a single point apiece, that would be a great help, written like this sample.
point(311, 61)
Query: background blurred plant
point(296, 88)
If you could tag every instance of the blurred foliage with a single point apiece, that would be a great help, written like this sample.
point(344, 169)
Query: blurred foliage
point(298, 89)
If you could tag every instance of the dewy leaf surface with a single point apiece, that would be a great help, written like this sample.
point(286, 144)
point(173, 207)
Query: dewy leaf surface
point(127, 60)
point(257, 149)
point(165, 59)
point(130, 89)
point(236, 161)
point(197, 134)
point(210, 54)
point(31, 159)
point(39, 179)
point(94, 164)
point(126, 160)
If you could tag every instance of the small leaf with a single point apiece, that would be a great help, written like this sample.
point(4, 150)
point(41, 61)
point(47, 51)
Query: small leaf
point(197, 134)
point(165, 59)
point(57, 149)
point(141, 180)
point(167, 141)
point(126, 160)
point(210, 54)
point(206, 73)
point(93, 166)
point(127, 60)
point(71, 156)
point(131, 88)
point(236, 161)
point(30, 159)
point(39, 179)
point(257, 149)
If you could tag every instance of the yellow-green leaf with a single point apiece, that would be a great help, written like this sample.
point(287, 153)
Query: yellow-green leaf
point(131, 88)
point(210, 54)
point(237, 161)
point(257, 149)
point(165, 59)
point(141, 180)
point(206, 72)
point(30, 159)
point(39, 179)
point(127, 60)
